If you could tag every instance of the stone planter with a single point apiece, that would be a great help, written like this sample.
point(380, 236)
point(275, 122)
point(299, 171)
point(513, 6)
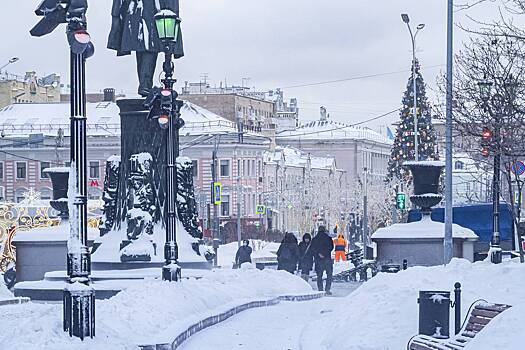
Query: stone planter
point(426, 176)
point(59, 179)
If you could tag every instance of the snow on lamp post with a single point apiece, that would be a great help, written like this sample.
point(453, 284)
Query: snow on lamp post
point(79, 296)
point(168, 28)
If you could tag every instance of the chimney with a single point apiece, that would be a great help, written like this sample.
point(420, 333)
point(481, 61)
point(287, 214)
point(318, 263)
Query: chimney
point(109, 95)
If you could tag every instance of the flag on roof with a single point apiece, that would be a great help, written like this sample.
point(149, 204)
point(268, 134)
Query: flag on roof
point(389, 133)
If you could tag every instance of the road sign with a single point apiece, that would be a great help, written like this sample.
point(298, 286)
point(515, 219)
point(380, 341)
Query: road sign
point(260, 209)
point(401, 201)
point(217, 195)
point(518, 168)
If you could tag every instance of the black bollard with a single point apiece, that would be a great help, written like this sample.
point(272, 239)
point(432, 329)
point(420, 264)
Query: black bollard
point(457, 307)
point(405, 264)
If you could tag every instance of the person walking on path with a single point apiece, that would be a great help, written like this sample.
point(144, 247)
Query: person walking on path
point(321, 248)
point(288, 253)
point(306, 259)
point(244, 254)
point(340, 248)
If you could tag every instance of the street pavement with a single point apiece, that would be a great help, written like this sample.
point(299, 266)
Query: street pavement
point(277, 327)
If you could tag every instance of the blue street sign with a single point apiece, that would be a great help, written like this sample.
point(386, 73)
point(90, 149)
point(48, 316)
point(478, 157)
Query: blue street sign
point(518, 168)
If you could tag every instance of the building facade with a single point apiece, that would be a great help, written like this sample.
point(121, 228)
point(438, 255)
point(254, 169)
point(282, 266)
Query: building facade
point(357, 150)
point(29, 89)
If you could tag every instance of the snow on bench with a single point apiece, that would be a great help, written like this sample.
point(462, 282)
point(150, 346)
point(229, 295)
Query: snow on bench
point(480, 316)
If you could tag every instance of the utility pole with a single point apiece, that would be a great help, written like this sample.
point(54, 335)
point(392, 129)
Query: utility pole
point(365, 215)
point(239, 196)
point(216, 223)
point(447, 242)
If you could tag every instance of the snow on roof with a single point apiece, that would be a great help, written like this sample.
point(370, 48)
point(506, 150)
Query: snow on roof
point(429, 163)
point(331, 130)
point(103, 118)
point(426, 228)
point(296, 158)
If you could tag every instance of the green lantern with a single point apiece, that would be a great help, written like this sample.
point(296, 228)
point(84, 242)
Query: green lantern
point(168, 25)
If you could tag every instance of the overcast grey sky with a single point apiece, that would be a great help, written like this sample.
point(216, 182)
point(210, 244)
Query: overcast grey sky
point(275, 43)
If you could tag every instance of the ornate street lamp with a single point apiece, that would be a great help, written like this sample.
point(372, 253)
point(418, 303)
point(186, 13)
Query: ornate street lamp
point(168, 29)
point(497, 106)
point(79, 296)
point(485, 89)
point(413, 37)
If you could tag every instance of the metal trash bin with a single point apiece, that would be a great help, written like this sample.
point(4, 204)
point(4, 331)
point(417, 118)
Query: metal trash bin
point(434, 313)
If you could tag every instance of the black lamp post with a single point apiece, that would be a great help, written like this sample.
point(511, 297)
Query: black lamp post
point(79, 296)
point(168, 27)
point(497, 106)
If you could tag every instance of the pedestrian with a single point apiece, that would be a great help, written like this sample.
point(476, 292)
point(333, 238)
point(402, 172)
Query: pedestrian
point(244, 254)
point(306, 259)
point(321, 248)
point(340, 248)
point(288, 253)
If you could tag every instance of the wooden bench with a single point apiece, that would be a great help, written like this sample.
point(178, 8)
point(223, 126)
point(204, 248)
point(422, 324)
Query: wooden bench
point(480, 316)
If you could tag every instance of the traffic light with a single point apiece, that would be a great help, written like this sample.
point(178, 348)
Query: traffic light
point(401, 201)
point(54, 12)
point(486, 139)
point(162, 103)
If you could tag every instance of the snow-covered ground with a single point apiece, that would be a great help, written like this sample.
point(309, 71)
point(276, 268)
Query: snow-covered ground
point(146, 312)
point(4, 292)
point(383, 313)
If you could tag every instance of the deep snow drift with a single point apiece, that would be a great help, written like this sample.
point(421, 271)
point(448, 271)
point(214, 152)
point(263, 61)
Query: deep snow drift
point(383, 313)
point(151, 310)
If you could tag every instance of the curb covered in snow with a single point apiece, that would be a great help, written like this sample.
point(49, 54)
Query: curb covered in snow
point(216, 319)
point(14, 301)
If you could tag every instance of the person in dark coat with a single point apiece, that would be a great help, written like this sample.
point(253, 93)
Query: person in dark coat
point(244, 253)
point(288, 253)
point(133, 29)
point(306, 259)
point(321, 248)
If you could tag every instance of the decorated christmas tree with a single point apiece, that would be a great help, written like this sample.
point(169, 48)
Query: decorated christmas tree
point(403, 148)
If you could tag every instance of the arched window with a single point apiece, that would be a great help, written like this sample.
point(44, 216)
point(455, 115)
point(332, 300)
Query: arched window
point(46, 193)
point(459, 165)
point(19, 194)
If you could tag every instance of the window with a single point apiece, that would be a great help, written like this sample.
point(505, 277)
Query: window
point(238, 167)
point(46, 193)
point(225, 205)
point(244, 167)
point(195, 168)
point(225, 168)
point(19, 194)
point(43, 166)
point(2, 193)
point(94, 170)
point(1, 170)
point(248, 172)
point(67, 164)
point(459, 165)
point(21, 170)
point(253, 168)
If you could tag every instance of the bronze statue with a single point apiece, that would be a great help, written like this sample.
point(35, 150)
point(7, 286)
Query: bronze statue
point(133, 29)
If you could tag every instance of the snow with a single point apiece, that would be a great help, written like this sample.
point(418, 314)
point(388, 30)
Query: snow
point(148, 311)
point(293, 157)
point(58, 169)
point(426, 228)
point(51, 233)
point(331, 130)
point(103, 119)
point(383, 312)
point(429, 163)
point(4, 292)
point(261, 251)
point(109, 250)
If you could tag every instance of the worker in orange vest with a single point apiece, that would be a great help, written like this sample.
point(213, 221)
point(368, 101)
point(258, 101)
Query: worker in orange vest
point(340, 247)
